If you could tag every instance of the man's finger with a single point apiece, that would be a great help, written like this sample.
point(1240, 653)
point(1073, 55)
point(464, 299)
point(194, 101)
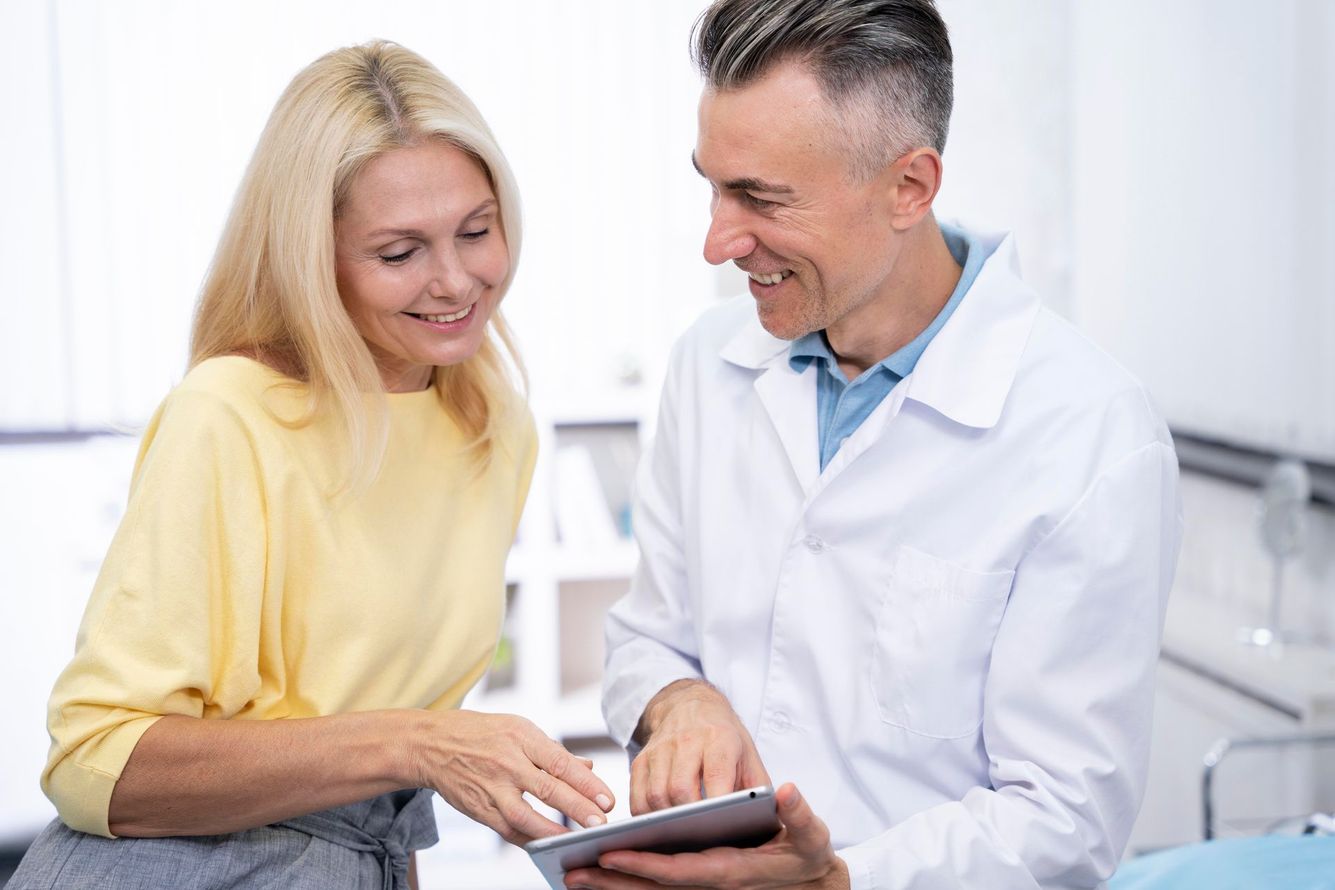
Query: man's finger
point(601, 879)
point(753, 771)
point(805, 830)
point(710, 868)
point(639, 784)
point(683, 780)
point(721, 770)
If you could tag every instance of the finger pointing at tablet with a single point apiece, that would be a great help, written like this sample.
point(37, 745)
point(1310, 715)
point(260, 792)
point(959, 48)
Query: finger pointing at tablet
point(483, 764)
point(691, 740)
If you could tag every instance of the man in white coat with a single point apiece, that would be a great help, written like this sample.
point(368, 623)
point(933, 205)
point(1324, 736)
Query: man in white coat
point(906, 536)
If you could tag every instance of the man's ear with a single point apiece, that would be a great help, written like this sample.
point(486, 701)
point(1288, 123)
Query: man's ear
point(914, 181)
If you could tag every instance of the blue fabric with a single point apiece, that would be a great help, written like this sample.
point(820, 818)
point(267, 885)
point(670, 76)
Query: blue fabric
point(1293, 863)
point(841, 406)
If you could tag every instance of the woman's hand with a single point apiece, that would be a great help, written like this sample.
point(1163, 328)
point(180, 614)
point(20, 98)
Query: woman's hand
point(482, 764)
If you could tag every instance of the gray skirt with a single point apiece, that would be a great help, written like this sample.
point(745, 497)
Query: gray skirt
point(363, 845)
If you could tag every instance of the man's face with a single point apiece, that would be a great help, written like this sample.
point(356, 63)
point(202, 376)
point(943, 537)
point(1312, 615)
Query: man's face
point(818, 247)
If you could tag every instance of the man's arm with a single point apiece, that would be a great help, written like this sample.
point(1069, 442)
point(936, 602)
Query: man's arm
point(651, 639)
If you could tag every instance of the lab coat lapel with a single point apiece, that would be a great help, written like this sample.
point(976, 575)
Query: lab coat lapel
point(788, 396)
point(789, 399)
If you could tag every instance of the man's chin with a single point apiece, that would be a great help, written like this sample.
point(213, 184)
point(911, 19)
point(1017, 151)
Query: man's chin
point(778, 325)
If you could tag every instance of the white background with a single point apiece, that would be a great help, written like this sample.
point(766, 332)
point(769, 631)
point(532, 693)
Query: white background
point(1165, 164)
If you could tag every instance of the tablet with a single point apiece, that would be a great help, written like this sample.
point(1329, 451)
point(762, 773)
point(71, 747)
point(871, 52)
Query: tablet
point(745, 818)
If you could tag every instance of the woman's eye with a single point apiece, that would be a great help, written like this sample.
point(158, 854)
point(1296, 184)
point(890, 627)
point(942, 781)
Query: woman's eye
point(398, 258)
point(476, 235)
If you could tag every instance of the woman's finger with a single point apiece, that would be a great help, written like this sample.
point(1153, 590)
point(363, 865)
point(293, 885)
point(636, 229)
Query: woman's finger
point(565, 767)
point(521, 823)
point(556, 793)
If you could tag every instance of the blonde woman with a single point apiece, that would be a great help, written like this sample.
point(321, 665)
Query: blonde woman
point(309, 575)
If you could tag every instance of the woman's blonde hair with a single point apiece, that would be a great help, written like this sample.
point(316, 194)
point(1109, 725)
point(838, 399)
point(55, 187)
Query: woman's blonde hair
point(271, 291)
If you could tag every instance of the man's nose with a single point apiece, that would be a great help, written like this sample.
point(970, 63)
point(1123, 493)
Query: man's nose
point(728, 238)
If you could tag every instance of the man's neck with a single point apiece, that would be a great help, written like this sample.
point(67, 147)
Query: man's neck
point(925, 276)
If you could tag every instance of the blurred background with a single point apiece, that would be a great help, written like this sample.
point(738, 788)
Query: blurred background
point(1167, 167)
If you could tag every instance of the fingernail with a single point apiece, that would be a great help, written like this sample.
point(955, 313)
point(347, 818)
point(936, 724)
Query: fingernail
point(604, 802)
point(594, 821)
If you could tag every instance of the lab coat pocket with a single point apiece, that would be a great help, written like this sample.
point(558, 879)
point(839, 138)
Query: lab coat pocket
point(934, 633)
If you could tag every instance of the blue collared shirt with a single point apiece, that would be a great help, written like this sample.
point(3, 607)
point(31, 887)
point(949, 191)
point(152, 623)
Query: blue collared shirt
point(841, 407)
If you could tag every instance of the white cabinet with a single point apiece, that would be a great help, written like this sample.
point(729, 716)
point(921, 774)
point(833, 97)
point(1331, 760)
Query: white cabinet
point(1211, 687)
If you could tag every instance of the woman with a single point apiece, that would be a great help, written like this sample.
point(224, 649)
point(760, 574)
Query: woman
point(309, 575)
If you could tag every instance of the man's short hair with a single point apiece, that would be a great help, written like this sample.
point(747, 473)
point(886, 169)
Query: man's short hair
point(884, 65)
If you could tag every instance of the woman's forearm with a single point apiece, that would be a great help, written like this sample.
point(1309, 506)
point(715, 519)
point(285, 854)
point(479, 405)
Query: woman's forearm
point(189, 776)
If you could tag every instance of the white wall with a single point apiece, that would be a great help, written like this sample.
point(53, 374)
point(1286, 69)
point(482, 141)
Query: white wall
point(1204, 209)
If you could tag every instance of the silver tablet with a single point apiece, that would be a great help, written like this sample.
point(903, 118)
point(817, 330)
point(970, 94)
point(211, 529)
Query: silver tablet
point(745, 818)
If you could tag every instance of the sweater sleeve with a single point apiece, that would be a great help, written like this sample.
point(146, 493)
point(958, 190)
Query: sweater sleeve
point(172, 626)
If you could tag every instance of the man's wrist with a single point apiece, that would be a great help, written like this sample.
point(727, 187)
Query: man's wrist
point(665, 700)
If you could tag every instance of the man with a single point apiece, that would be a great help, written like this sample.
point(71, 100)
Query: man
point(906, 536)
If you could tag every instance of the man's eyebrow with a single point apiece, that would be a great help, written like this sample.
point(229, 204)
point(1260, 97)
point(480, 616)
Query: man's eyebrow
point(747, 183)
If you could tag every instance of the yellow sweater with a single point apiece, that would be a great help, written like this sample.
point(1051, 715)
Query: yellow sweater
point(236, 589)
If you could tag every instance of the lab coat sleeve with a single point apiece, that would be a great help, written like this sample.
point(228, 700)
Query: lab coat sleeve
point(649, 632)
point(1067, 704)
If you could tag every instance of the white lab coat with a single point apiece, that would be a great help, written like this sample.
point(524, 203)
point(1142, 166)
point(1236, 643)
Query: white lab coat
point(947, 639)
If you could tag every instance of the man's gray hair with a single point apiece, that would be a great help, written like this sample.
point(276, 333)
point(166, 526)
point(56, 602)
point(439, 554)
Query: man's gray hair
point(884, 65)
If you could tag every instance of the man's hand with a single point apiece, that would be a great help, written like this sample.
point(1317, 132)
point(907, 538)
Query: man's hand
point(799, 856)
point(691, 737)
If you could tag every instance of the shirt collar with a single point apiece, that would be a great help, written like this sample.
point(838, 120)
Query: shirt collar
point(968, 252)
point(966, 371)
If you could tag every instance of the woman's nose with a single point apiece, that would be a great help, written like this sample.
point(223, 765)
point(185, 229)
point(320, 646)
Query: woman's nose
point(450, 280)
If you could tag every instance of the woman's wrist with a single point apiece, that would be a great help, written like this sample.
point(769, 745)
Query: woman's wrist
point(410, 732)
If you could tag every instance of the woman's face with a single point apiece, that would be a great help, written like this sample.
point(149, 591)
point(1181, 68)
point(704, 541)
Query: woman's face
point(419, 255)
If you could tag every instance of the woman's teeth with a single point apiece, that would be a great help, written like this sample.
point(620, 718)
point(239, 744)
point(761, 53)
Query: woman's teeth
point(440, 319)
point(772, 278)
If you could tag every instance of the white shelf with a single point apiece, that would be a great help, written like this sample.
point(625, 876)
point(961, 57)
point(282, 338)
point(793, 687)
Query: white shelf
point(596, 563)
point(580, 714)
point(1201, 635)
point(621, 405)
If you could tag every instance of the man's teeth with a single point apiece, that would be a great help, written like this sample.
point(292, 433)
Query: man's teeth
point(773, 278)
point(440, 319)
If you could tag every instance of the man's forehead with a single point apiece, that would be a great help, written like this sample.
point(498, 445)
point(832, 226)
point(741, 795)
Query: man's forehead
point(766, 135)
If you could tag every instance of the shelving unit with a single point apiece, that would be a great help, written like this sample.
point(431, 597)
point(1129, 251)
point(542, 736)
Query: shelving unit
point(566, 569)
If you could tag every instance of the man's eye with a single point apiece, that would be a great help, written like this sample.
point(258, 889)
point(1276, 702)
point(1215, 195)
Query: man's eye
point(398, 259)
point(758, 203)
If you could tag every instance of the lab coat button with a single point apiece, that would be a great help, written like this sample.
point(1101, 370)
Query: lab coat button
point(814, 544)
point(779, 722)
